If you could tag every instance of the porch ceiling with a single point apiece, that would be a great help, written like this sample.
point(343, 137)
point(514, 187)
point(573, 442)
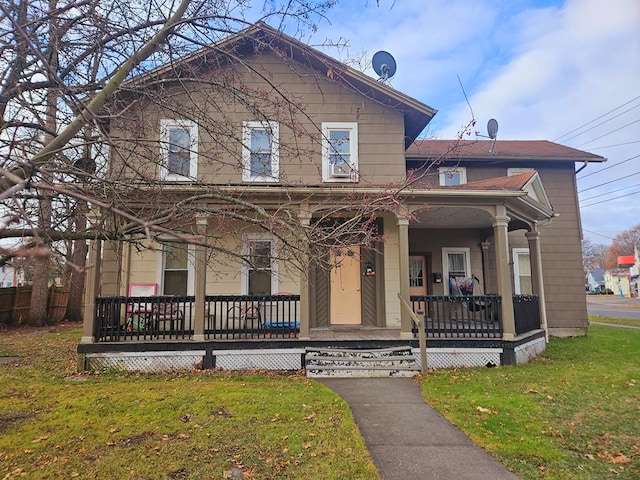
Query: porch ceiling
point(452, 217)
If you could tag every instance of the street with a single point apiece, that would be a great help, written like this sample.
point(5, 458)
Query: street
point(613, 306)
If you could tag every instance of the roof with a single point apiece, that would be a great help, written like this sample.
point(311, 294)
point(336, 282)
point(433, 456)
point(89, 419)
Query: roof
point(416, 114)
point(502, 150)
point(514, 182)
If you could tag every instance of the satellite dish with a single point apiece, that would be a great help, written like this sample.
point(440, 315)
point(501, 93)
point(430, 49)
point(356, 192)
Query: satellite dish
point(492, 128)
point(384, 65)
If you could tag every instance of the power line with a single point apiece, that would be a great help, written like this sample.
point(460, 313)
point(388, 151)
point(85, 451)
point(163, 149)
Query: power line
point(609, 199)
point(609, 193)
point(611, 181)
point(609, 133)
point(599, 124)
point(616, 145)
point(599, 234)
point(607, 168)
point(596, 119)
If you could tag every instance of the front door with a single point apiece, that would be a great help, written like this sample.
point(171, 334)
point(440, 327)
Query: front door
point(345, 300)
point(418, 280)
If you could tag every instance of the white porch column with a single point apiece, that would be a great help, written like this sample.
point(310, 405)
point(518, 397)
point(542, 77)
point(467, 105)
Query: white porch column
point(403, 252)
point(202, 222)
point(537, 279)
point(500, 233)
point(91, 291)
point(305, 220)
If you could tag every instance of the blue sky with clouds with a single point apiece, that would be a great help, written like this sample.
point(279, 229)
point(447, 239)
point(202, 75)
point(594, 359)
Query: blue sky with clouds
point(541, 68)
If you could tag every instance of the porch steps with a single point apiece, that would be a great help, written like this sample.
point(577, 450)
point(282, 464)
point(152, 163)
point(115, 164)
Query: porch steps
point(345, 363)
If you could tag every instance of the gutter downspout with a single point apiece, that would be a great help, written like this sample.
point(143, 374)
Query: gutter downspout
point(584, 165)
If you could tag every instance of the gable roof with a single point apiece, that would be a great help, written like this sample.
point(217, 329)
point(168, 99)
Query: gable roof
point(538, 150)
point(416, 114)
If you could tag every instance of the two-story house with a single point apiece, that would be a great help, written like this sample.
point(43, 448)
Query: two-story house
point(253, 150)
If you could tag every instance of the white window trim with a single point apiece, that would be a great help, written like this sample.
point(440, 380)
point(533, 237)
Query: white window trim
point(444, 171)
point(191, 271)
point(518, 170)
point(445, 263)
point(516, 267)
point(274, 128)
point(353, 152)
point(165, 126)
point(244, 272)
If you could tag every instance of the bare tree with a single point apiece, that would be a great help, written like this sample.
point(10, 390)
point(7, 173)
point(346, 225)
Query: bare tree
point(594, 255)
point(82, 86)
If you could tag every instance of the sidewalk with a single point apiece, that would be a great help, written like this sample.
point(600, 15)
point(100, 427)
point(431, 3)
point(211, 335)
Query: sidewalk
point(408, 439)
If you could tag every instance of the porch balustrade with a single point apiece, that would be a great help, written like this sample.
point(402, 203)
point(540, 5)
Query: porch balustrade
point(473, 316)
point(459, 316)
point(526, 310)
point(172, 318)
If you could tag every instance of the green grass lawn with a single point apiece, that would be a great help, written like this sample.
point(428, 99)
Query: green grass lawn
point(618, 321)
point(573, 413)
point(199, 425)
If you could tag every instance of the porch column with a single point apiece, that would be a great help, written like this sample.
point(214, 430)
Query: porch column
point(500, 233)
point(200, 278)
point(91, 291)
point(537, 280)
point(305, 220)
point(485, 265)
point(403, 252)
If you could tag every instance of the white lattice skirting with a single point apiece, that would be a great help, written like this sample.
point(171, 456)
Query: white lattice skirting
point(460, 357)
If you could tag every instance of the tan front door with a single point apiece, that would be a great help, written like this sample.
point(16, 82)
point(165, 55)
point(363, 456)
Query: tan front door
point(418, 280)
point(345, 300)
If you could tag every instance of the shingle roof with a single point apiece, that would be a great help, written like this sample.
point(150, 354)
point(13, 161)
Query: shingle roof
point(503, 149)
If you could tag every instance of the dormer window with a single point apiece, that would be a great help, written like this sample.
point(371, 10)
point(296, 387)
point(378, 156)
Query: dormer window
point(339, 152)
point(260, 152)
point(452, 176)
point(178, 150)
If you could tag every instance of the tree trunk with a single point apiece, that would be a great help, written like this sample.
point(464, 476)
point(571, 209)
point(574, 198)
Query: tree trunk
point(77, 275)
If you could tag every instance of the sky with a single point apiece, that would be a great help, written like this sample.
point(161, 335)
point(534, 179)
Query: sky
point(564, 71)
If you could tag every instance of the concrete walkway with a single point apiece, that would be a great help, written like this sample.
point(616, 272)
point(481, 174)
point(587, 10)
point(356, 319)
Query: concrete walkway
point(408, 439)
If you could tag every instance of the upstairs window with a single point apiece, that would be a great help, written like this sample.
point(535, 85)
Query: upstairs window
point(260, 152)
point(339, 152)
point(179, 150)
point(452, 176)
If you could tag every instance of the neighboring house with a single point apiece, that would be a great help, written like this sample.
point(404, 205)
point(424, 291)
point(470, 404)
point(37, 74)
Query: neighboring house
point(11, 276)
point(617, 280)
point(499, 220)
point(595, 280)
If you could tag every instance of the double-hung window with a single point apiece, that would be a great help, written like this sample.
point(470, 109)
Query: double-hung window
point(339, 152)
point(259, 273)
point(452, 176)
point(522, 271)
point(455, 264)
point(260, 152)
point(178, 150)
point(177, 269)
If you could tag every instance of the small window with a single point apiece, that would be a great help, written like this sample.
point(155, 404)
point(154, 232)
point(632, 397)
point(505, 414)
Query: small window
point(179, 150)
point(455, 263)
point(260, 151)
point(522, 271)
point(259, 269)
point(517, 171)
point(177, 269)
point(339, 152)
point(452, 176)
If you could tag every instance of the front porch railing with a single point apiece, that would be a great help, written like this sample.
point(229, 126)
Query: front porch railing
point(526, 310)
point(459, 316)
point(172, 318)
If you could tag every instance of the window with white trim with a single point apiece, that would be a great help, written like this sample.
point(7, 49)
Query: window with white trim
point(259, 270)
point(178, 150)
point(177, 269)
point(518, 170)
point(522, 271)
point(455, 263)
point(452, 176)
point(260, 151)
point(340, 152)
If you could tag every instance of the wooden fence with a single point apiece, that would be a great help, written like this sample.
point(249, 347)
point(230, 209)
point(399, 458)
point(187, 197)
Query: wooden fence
point(15, 301)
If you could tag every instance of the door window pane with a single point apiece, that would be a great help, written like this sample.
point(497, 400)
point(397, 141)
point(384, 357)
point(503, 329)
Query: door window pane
point(416, 276)
point(457, 264)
